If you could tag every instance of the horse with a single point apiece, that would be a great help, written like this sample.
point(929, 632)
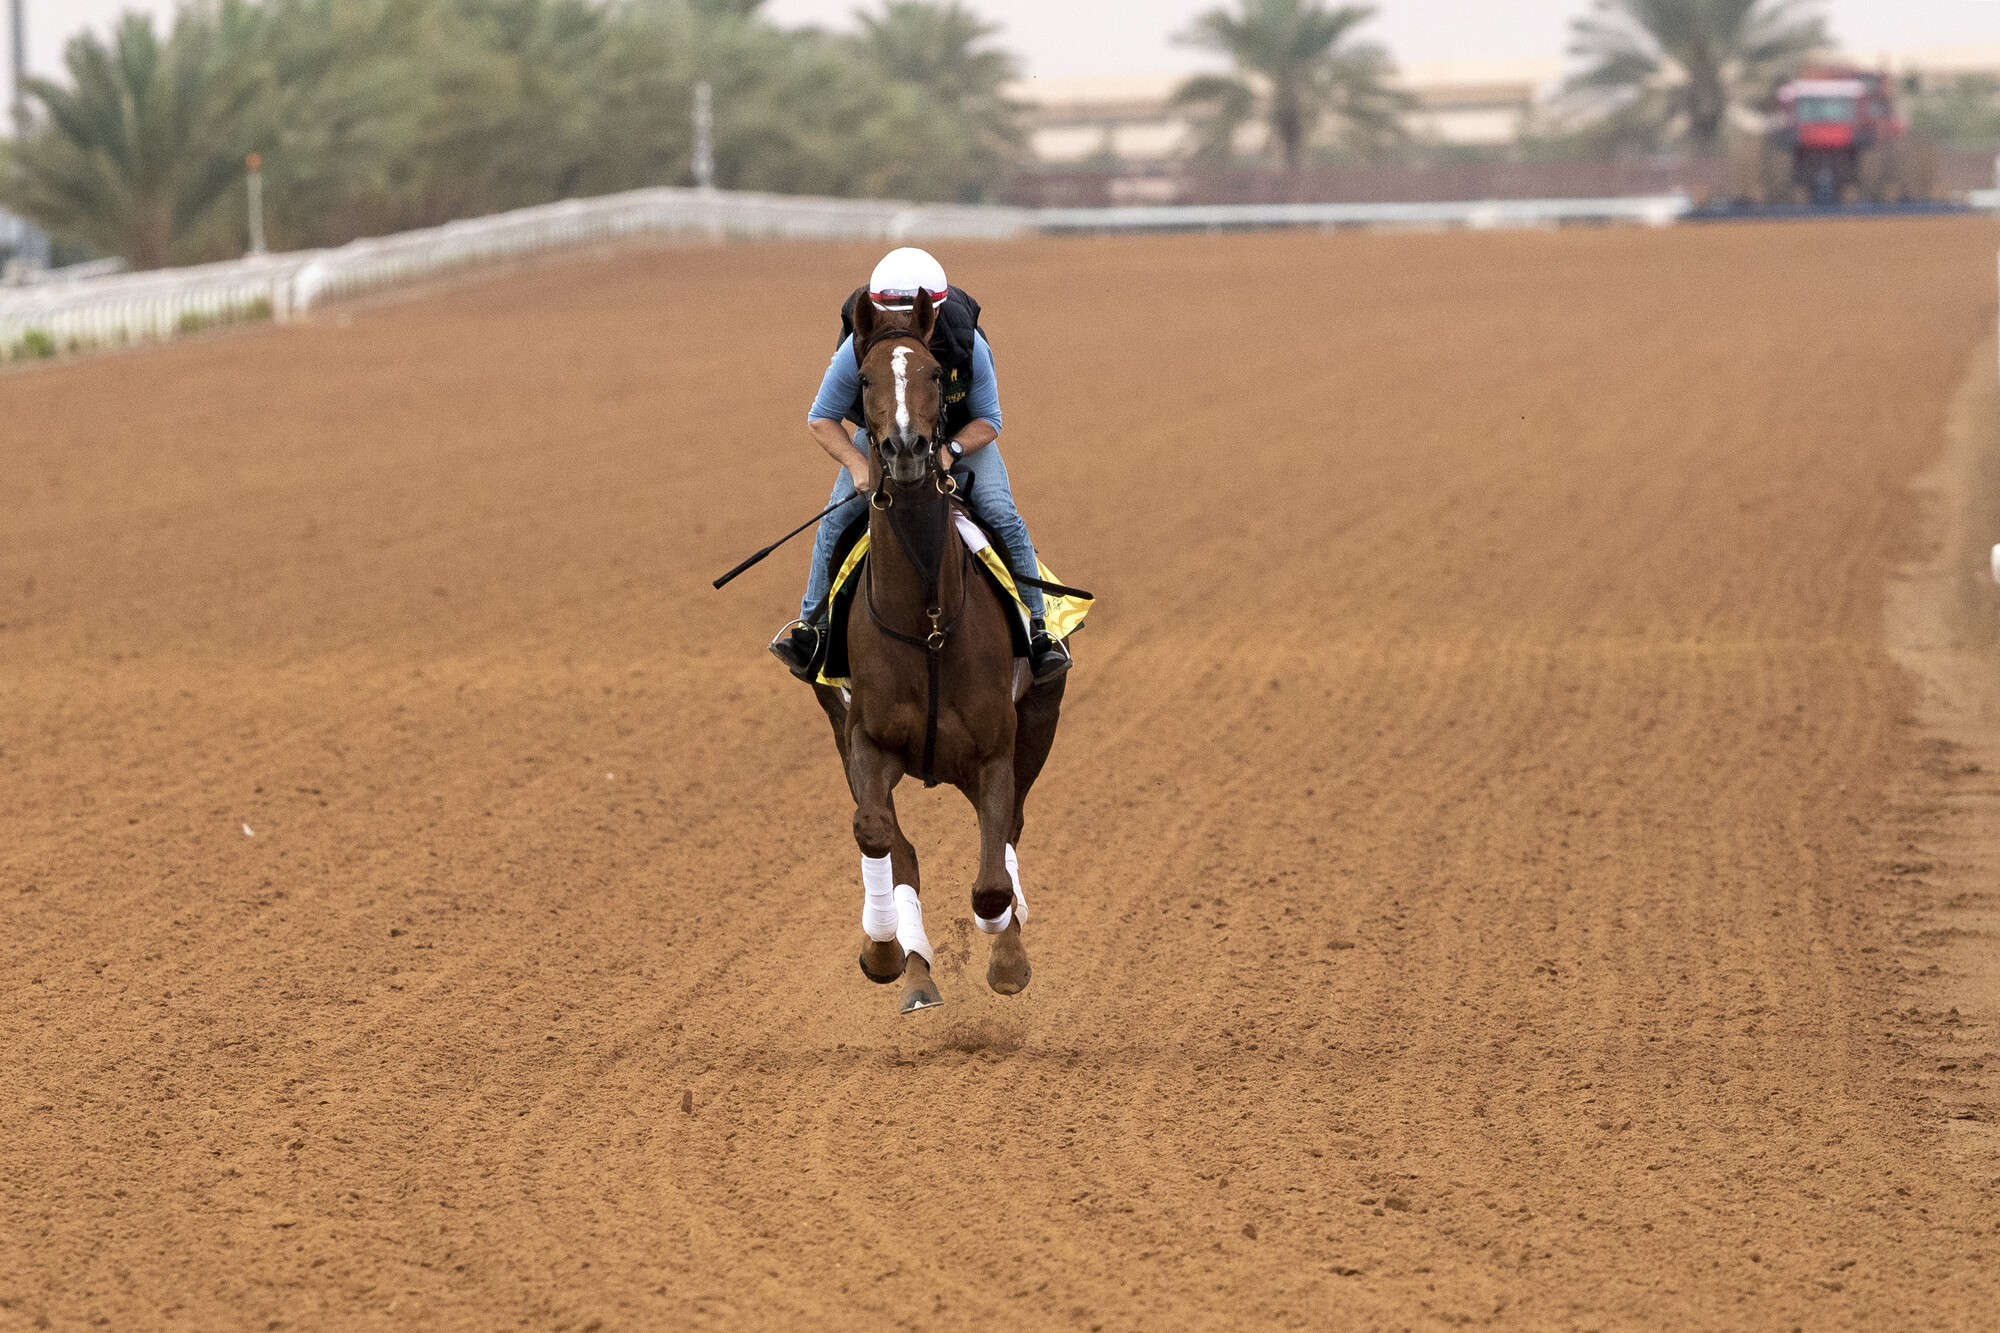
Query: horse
point(935, 688)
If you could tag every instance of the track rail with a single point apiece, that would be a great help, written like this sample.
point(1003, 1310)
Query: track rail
point(139, 307)
point(1652, 210)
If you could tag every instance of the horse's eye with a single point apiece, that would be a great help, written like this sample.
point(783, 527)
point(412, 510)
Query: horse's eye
point(864, 381)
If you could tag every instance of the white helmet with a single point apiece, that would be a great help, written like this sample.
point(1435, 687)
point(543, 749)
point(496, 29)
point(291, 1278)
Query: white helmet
point(901, 274)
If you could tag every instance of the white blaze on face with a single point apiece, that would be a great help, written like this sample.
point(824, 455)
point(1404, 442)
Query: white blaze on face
point(897, 359)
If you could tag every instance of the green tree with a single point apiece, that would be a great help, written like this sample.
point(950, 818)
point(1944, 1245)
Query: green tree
point(1299, 72)
point(911, 107)
point(967, 132)
point(134, 156)
point(377, 115)
point(788, 104)
point(1665, 72)
point(381, 115)
point(511, 116)
point(340, 86)
point(941, 49)
point(1963, 111)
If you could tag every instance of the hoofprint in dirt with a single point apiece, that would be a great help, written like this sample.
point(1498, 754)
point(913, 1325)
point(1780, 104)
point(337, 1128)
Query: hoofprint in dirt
point(1458, 895)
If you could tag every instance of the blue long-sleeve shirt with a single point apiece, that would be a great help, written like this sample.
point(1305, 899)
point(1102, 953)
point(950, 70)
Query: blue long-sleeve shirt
point(840, 391)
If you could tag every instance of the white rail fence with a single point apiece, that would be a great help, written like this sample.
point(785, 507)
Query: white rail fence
point(1657, 211)
point(136, 307)
point(133, 307)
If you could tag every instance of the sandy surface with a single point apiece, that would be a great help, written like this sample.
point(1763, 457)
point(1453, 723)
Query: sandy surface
point(1482, 877)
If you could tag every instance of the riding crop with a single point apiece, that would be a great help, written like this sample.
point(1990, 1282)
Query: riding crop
point(787, 537)
point(1059, 589)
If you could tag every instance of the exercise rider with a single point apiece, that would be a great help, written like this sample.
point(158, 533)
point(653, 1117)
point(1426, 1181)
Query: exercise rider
point(970, 449)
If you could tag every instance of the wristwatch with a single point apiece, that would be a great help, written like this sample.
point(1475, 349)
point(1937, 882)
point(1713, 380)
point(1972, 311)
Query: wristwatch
point(956, 450)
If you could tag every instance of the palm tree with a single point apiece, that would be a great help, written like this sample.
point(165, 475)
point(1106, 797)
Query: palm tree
point(135, 155)
point(1671, 70)
point(938, 47)
point(944, 99)
point(1298, 70)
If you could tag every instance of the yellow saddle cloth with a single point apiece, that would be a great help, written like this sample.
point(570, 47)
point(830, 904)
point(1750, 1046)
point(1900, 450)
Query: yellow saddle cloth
point(1062, 615)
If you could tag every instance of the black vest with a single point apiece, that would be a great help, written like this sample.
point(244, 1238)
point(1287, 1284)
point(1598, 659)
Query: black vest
point(951, 344)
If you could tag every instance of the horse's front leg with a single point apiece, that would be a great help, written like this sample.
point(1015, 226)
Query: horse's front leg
point(1007, 971)
point(872, 774)
point(892, 922)
point(919, 989)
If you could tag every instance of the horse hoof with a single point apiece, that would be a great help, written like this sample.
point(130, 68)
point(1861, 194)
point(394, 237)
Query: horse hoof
point(889, 960)
point(1008, 971)
point(1012, 984)
point(920, 992)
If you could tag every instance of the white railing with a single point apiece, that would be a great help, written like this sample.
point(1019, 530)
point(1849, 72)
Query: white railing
point(360, 265)
point(132, 307)
point(136, 307)
point(1656, 210)
point(90, 268)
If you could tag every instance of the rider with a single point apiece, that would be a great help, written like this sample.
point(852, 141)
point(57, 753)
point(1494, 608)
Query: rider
point(971, 450)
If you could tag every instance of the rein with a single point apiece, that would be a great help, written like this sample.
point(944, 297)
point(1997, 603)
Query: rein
point(933, 644)
point(928, 565)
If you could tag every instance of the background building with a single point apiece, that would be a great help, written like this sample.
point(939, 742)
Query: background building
point(1117, 139)
point(1128, 118)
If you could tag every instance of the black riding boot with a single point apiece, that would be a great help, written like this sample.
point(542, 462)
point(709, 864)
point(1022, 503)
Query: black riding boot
point(1047, 657)
point(797, 646)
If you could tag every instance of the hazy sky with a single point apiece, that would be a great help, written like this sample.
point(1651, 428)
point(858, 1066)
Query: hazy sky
point(1135, 36)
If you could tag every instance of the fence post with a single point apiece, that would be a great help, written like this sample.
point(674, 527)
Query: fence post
point(255, 180)
point(704, 136)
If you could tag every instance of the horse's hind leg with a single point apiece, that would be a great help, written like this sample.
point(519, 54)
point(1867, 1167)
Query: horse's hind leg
point(1035, 735)
point(871, 773)
point(1035, 720)
point(1007, 971)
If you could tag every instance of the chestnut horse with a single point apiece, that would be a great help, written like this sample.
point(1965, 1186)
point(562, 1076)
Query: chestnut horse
point(936, 689)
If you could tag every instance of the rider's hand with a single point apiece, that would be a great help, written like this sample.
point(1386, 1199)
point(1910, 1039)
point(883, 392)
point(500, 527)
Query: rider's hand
point(860, 475)
point(945, 461)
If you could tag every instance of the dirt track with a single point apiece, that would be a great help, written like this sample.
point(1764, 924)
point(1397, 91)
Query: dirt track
point(1472, 885)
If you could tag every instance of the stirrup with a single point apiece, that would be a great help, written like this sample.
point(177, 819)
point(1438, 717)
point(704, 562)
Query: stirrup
point(1052, 661)
point(785, 648)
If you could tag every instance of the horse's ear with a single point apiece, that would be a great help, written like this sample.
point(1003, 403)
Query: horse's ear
point(866, 317)
point(923, 316)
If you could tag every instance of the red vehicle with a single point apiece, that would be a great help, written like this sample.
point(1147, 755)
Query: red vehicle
point(1839, 131)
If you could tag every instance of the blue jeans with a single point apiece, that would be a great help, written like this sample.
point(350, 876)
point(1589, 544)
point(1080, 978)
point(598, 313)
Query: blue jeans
point(992, 500)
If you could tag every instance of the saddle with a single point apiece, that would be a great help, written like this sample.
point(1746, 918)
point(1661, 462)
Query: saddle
point(1062, 615)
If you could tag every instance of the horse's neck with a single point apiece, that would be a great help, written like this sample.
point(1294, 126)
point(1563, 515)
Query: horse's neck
point(899, 578)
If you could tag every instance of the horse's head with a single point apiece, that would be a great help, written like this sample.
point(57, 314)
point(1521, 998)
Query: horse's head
point(902, 386)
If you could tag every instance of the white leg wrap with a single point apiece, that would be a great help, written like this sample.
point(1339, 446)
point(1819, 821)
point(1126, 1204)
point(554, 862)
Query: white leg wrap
point(997, 924)
point(1014, 873)
point(910, 923)
point(878, 902)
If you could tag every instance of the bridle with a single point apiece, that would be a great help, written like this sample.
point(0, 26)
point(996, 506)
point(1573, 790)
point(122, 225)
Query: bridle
point(933, 643)
point(881, 499)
